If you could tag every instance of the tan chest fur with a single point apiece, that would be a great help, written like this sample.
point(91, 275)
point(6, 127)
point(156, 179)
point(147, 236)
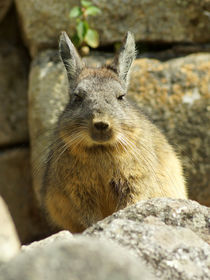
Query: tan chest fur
point(94, 186)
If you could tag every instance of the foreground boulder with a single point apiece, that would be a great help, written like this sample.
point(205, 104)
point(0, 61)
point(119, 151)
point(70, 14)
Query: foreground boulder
point(79, 258)
point(155, 239)
point(63, 235)
point(175, 95)
point(9, 242)
point(171, 212)
point(178, 21)
point(169, 234)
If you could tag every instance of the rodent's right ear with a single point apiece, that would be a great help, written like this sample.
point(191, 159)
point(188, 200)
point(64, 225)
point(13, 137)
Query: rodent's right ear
point(124, 59)
point(70, 57)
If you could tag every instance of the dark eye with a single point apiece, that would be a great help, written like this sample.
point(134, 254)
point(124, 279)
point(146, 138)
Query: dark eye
point(121, 97)
point(78, 98)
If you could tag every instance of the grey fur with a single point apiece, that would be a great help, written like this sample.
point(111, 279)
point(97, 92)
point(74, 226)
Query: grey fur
point(70, 58)
point(125, 58)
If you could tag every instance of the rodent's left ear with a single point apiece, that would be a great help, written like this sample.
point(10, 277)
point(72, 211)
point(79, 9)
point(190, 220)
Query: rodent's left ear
point(124, 59)
point(70, 57)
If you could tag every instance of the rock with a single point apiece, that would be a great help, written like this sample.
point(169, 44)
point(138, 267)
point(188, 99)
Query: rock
point(80, 258)
point(16, 189)
point(165, 21)
point(14, 66)
point(160, 231)
point(175, 94)
point(172, 212)
point(47, 242)
point(10, 33)
point(4, 7)
point(13, 95)
point(9, 242)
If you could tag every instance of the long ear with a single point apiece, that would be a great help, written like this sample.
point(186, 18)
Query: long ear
point(70, 58)
point(123, 60)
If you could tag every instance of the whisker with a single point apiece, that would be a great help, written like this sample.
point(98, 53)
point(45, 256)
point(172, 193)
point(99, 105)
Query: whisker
point(56, 146)
point(147, 161)
point(151, 162)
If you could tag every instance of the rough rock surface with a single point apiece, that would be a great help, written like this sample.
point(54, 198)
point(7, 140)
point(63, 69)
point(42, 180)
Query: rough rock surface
point(162, 21)
point(165, 233)
point(16, 190)
point(63, 235)
point(13, 95)
point(81, 258)
point(9, 242)
point(175, 94)
point(4, 7)
point(172, 212)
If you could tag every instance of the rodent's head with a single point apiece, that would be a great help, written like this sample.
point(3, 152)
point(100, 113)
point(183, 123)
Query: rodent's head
point(98, 113)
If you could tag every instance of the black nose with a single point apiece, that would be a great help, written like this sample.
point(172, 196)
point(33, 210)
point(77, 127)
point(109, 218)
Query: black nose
point(101, 125)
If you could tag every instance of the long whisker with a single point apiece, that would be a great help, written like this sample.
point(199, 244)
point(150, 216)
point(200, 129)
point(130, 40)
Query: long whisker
point(146, 161)
point(56, 146)
point(150, 162)
point(143, 145)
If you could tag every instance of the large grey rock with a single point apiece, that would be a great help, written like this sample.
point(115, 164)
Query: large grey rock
point(13, 95)
point(175, 94)
point(16, 189)
point(171, 212)
point(9, 242)
point(63, 235)
point(160, 231)
point(80, 258)
point(165, 21)
point(4, 7)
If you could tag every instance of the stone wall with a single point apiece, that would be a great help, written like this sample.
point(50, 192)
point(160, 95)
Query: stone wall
point(165, 21)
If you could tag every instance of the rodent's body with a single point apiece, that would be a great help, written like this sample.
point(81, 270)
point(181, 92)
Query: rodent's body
point(108, 155)
point(87, 186)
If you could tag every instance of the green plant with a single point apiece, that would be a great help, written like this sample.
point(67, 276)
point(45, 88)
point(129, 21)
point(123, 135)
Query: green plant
point(84, 35)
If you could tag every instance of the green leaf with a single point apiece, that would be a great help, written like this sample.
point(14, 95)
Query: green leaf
point(92, 11)
point(76, 40)
point(86, 25)
point(86, 4)
point(92, 38)
point(82, 28)
point(75, 12)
